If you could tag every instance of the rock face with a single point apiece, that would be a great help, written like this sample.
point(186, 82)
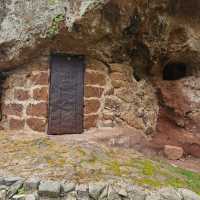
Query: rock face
point(159, 40)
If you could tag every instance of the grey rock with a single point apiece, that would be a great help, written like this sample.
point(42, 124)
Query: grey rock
point(8, 181)
point(31, 184)
point(122, 192)
point(96, 189)
point(19, 197)
point(3, 187)
point(1, 180)
point(33, 196)
point(154, 196)
point(71, 196)
point(112, 194)
point(3, 194)
point(104, 193)
point(188, 195)
point(49, 189)
point(67, 187)
point(13, 189)
point(82, 192)
point(170, 193)
point(136, 193)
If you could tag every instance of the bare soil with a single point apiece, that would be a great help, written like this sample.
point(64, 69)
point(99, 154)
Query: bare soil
point(101, 154)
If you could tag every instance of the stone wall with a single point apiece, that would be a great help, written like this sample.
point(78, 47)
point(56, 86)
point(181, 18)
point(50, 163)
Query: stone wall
point(112, 97)
point(33, 189)
point(25, 96)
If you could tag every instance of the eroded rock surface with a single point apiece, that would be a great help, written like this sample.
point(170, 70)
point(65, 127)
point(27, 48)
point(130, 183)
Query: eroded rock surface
point(151, 36)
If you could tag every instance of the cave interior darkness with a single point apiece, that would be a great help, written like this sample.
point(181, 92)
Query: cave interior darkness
point(174, 71)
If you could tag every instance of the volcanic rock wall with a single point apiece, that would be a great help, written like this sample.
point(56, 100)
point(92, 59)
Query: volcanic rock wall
point(147, 35)
point(112, 97)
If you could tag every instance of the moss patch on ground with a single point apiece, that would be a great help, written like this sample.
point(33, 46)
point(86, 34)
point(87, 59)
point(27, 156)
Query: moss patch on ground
point(88, 162)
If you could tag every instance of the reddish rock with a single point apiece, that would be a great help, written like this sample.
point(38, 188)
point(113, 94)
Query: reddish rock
point(91, 106)
point(13, 109)
point(119, 83)
point(96, 65)
point(169, 133)
point(36, 124)
point(21, 95)
point(108, 116)
point(118, 76)
point(112, 103)
point(91, 91)
point(38, 110)
point(95, 78)
point(115, 67)
point(16, 124)
point(90, 121)
point(173, 152)
point(40, 94)
point(41, 78)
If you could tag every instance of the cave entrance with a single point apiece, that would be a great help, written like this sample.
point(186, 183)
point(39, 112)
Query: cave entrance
point(174, 71)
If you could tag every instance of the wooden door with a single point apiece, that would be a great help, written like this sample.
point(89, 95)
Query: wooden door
point(66, 95)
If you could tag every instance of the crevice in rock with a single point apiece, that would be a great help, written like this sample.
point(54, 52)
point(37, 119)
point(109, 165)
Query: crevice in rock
point(3, 77)
point(174, 71)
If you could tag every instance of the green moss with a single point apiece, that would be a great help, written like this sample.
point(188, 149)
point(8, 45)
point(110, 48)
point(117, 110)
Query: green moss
point(114, 166)
point(54, 29)
point(53, 2)
point(148, 168)
point(191, 179)
point(21, 191)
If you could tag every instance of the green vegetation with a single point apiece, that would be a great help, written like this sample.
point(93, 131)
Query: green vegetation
point(90, 163)
point(54, 29)
point(52, 2)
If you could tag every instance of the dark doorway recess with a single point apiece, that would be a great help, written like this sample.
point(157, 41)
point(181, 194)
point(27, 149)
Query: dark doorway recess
point(174, 71)
point(66, 94)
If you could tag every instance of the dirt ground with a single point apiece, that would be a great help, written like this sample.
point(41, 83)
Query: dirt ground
point(95, 155)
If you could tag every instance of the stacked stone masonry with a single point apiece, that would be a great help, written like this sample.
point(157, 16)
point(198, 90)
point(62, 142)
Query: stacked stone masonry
point(17, 188)
point(112, 97)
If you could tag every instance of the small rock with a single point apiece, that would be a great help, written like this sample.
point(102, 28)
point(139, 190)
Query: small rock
point(112, 194)
point(154, 196)
point(173, 152)
point(67, 187)
point(19, 197)
point(122, 192)
point(136, 193)
point(95, 189)
point(49, 189)
point(82, 192)
point(104, 193)
point(170, 193)
point(1, 181)
point(8, 181)
point(32, 197)
point(3, 194)
point(3, 187)
point(188, 195)
point(31, 184)
point(71, 196)
point(14, 188)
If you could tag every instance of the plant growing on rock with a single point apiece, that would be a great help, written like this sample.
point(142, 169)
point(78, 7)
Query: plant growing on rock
point(54, 29)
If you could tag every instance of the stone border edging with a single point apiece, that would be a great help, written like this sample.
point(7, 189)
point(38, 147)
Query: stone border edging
point(17, 188)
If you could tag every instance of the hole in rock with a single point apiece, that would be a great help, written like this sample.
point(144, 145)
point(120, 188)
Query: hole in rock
point(174, 71)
